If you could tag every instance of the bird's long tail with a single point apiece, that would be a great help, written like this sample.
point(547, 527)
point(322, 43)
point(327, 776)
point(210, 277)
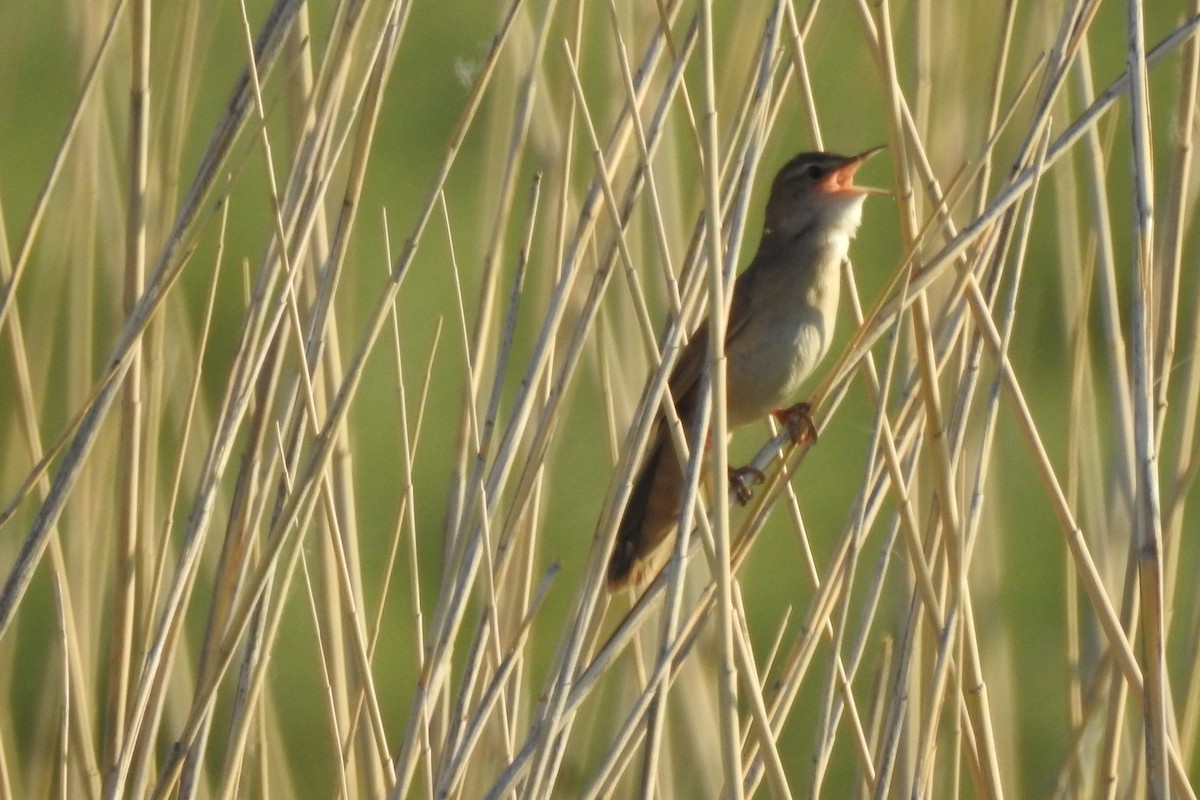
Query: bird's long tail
point(650, 516)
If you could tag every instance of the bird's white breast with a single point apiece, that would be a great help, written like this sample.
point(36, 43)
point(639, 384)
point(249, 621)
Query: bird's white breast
point(794, 307)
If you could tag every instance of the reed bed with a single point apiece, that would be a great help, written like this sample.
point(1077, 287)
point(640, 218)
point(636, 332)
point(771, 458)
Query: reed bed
point(333, 333)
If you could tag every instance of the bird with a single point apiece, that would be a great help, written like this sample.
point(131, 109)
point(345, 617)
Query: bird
point(780, 324)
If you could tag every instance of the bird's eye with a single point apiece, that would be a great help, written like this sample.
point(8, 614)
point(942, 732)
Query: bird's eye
point(814, 172)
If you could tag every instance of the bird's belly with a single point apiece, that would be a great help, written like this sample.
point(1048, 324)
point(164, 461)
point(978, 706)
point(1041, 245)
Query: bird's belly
point(767, 375)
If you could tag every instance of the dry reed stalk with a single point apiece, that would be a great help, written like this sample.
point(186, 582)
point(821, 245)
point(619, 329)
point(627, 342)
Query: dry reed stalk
point(596, 191)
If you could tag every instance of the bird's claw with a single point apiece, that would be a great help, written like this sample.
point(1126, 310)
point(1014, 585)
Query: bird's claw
point(798, 421)
point(739, 484)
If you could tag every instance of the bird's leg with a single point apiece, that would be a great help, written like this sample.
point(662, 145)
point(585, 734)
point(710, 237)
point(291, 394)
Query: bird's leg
point(738, 479)
point(739, 484)
point(798, 421)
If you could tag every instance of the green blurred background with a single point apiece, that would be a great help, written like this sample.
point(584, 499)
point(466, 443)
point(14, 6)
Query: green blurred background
point(75, 270)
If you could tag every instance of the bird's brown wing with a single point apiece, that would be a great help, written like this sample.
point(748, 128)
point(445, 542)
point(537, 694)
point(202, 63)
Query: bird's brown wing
point(685, 377)
point(653, 506)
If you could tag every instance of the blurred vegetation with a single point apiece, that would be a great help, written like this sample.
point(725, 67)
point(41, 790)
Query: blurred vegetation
point(70, 306)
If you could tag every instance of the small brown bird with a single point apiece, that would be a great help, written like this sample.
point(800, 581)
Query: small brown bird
point(780, 325)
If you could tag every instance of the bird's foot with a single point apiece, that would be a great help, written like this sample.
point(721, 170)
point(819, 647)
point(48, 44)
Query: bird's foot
point(798, 421)
point(739, 484)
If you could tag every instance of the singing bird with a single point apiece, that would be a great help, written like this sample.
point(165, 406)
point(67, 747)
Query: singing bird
point(779, 328)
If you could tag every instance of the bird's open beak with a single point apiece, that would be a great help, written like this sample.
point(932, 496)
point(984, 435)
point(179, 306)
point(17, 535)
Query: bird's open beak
point(842, 180)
